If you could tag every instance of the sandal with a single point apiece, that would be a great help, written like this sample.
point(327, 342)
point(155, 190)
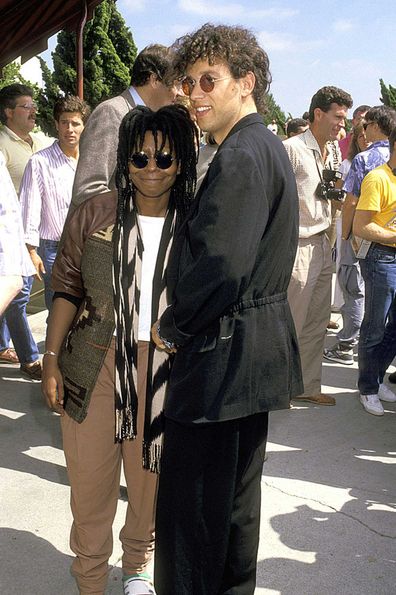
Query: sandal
point(9, 356)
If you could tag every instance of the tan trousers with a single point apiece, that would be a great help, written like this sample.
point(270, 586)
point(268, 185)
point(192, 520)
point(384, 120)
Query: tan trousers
point(309, 296)
point(93, 464)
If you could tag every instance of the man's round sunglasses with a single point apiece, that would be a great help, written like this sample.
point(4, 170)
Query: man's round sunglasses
point(141, 159)
point(206, 82)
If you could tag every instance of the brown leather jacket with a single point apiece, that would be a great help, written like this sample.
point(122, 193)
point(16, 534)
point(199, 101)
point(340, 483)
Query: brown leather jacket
point(95, 214)
point(83, 269)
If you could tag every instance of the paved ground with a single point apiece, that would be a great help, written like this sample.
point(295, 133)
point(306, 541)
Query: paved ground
point(328, 498)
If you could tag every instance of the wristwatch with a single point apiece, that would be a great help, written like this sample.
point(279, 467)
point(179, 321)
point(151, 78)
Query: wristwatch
point(168, 344)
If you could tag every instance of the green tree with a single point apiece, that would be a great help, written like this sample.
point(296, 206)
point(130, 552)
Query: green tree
point(12, 74)
point(46, 99)
point(388, 94)
point(109, 53)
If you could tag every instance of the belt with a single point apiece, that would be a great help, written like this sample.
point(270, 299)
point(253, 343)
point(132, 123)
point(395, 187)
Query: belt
point(384, 248)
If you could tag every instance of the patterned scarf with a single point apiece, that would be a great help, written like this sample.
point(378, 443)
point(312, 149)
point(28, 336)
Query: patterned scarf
point(127, 270)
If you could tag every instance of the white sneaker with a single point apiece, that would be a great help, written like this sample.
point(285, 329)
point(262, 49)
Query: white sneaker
point(385, 394)
point(372, 404)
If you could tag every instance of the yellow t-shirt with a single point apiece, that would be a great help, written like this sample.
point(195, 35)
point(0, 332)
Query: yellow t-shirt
point(378, 193)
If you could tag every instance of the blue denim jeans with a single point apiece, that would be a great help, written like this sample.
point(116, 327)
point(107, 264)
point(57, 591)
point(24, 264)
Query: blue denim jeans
point(377, 344)
point(352, 286)
point(47, 251)
point(14, 324)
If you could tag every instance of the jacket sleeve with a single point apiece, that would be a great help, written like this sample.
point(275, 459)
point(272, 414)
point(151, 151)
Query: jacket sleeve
point(98, 153)
point(223, 240)
point(66, 273)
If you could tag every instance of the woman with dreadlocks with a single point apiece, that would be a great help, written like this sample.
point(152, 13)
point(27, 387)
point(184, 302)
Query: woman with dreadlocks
point(102, 373)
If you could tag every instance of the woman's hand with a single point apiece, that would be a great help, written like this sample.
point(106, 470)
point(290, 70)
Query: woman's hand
point(52, 384)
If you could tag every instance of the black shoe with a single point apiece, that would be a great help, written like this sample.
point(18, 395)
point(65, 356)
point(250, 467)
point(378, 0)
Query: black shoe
point(392, 377)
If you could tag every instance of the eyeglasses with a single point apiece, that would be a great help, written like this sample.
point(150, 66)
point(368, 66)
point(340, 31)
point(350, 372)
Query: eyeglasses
point(141, 160)
point(206, 82)
point(28, 106)
point(367, 124)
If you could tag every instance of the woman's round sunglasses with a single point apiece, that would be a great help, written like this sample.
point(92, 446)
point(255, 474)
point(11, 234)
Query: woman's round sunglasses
point(206, 82)
point(141, 159)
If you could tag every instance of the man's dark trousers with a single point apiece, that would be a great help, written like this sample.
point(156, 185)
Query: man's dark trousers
point(209, 506)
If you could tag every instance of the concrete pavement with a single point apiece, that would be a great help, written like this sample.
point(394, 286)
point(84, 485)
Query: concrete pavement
point(328, 495)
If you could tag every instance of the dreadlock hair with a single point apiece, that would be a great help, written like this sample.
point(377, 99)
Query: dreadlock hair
point(175, 125)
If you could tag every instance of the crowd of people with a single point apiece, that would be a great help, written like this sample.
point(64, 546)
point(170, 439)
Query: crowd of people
point(186, 254)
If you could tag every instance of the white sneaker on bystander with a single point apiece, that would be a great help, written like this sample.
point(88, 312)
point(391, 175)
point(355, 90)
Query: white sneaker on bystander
point(385, 394)
point(372, 404)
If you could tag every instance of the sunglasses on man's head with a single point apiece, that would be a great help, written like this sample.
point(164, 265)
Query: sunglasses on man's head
point(206, 82)
point(141, 159)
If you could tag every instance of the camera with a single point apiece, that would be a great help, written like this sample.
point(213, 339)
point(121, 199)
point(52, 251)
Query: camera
point(326, 188)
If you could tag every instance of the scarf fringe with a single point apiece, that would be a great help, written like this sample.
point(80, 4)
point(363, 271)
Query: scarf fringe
point(125, 425)
point(152, 456)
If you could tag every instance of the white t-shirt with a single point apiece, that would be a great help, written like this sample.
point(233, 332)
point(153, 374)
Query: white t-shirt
point(151, 229)
point(344, 168)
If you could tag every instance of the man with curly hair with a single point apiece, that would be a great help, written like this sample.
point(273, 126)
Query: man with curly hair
point(229, 324)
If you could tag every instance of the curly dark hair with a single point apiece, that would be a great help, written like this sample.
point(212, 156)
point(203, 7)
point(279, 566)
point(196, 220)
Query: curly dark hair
point(384, 116)
point(325, 97)
point(71, 103)
point(235, 46)
point(9, 96)
point(176, 127)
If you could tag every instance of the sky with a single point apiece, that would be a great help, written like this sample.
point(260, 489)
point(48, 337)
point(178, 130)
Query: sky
point(310, 43)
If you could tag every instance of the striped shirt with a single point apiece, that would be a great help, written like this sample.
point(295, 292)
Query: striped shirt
point(14, 257)
point(45, 194)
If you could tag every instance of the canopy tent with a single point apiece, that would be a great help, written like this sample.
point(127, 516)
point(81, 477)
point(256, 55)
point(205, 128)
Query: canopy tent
point(26, 25)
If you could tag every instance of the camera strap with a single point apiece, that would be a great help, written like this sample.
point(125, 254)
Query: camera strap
point(317, 166)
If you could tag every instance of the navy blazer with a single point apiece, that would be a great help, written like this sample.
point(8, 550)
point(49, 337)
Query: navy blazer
point(228, 275)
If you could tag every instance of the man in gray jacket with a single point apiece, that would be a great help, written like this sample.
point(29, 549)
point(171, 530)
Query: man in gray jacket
point(98, 146)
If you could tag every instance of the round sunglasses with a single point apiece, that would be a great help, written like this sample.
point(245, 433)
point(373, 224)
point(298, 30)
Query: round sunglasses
point(141, 159)
point(206, 82)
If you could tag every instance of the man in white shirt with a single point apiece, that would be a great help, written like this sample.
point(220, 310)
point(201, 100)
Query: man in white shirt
point(46, 188)
point(309, 290)
point(14, 260)
point(273, 126)
point(18, 143)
